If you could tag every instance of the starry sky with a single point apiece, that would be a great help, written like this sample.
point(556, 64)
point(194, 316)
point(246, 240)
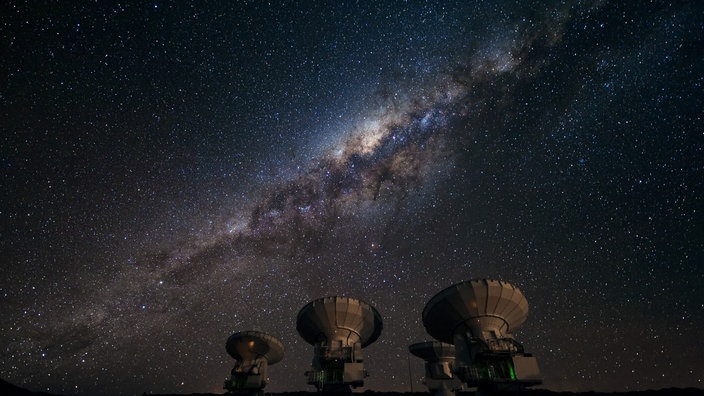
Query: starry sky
point(174, 172)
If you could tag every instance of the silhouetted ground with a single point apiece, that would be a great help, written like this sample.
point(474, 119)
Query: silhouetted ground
point(528, 392)
point(8, 389)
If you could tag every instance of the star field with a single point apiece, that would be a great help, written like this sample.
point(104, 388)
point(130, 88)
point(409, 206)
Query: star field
point(174, 173)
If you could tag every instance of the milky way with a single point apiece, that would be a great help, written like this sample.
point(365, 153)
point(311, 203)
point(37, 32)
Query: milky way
point(181, 174)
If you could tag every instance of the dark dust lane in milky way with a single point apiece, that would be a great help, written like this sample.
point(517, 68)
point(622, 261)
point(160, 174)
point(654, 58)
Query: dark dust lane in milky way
point(173, 173)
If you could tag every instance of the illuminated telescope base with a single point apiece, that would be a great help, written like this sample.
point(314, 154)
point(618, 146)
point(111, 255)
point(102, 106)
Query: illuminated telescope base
point(243, 384)
point(253, 351)
point(500, 372)
point(338, 328)
point(248, 378)
point(440, 380)
point(337, 376)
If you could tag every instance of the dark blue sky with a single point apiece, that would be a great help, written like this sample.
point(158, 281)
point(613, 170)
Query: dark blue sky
point(173, 173)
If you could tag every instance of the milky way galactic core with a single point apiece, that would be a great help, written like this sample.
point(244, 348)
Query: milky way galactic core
point(176, 173)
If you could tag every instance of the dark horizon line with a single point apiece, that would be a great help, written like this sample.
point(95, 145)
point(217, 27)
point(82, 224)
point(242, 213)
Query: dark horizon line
point(9, 389)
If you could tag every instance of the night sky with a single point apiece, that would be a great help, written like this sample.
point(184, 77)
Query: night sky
point(173, 173)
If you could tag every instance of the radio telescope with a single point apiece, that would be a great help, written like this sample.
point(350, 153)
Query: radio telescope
point(338, 328)
point(477, 316)
point(439, 361)
point(253, 351)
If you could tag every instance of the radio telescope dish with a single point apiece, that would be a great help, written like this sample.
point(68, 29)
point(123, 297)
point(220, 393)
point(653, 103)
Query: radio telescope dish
point(339, 318)
point(433, 351)
point(338, 328)
point(250, 345)
point(477, 316)
point(439, 360)
point(253, 352)
point(477, 304)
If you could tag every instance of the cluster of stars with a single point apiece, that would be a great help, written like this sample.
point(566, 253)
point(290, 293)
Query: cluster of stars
point(175, 173)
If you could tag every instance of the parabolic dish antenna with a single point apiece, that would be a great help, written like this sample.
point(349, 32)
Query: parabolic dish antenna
point(338, 328)
point(478, 304)
point(439, 360)
point(433, 351)
point(336, 318)
point(477, 316)
point(251, 344)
